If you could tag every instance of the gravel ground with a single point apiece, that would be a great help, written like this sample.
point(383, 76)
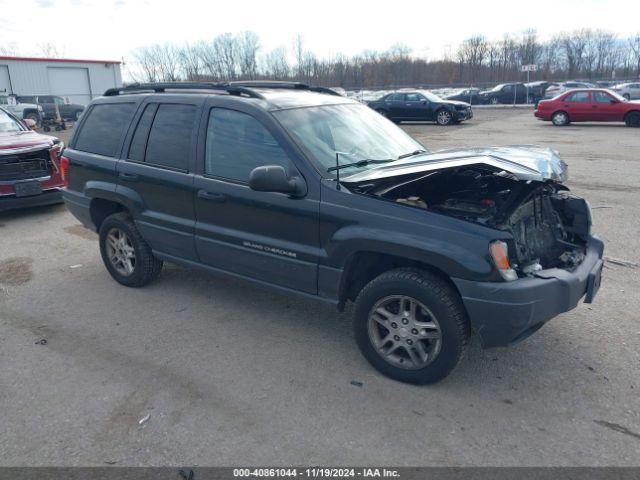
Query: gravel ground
point(232, 374)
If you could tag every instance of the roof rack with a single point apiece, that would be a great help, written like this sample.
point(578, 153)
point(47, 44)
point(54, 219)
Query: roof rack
point(232, 88)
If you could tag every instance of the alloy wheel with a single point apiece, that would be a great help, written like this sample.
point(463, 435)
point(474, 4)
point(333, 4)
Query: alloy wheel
point(444, 117)
point(404, 332)
point(121, 252)
point(560, 118)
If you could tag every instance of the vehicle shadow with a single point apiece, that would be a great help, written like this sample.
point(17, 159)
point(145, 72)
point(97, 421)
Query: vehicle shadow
point(30, 212)
point(540, 360)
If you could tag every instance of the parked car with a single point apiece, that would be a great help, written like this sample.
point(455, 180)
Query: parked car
point(555, 90)
point(538, 89)
point(21, 110)
point(506, 93)
point(628, 90)
point(606, 83)
point(421, 105)
point(320, 196)
point(29, 168)
point(52, 104)
point(468, 95)
point(590, 105)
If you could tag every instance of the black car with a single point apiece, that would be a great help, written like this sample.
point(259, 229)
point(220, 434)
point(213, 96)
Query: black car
point(51, 103)
point(421, 105)
point(507, 94)
point(317, 195)
point(469, 95)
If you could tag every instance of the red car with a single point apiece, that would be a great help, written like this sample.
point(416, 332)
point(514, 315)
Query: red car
point(589, 105)
point(29, 165)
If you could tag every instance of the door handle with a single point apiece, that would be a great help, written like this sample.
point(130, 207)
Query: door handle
point(212, 196)
point(594, 106)
point(130, 177)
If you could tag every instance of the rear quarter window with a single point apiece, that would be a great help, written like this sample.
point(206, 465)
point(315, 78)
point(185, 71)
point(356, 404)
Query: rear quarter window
point(102, 130)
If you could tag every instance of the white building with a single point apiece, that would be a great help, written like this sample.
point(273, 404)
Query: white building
point(78, 81)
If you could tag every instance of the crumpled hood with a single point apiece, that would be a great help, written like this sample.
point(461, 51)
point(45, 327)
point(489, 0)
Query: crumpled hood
point(525, 162)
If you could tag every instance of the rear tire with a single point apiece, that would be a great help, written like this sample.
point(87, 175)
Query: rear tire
point(424, 343)
point(560, 119)
point(126, 255)
point(632, 119)
point(33, 116)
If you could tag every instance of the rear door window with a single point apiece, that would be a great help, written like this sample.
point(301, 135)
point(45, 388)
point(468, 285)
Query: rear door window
point(414, 97)
point(138, 146)
point(170, 137)
point(601, 97)
point(578, 97)
point(103, 128)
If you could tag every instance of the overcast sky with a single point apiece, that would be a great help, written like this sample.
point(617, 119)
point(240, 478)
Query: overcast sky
point(111, 29)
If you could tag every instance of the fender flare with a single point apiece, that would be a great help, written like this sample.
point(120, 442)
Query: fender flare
point(128, 198)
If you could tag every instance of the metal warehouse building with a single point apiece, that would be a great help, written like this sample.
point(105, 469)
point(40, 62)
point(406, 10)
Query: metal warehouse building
point(78, 81)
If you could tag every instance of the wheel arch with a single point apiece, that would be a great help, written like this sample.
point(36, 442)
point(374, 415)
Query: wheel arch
point(107, 199)
point(630, 112)
point(101, 208)
point(363, 266)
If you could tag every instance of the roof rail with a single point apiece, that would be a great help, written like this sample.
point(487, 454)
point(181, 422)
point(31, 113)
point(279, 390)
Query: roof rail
point(233, 88)
point(161, 87)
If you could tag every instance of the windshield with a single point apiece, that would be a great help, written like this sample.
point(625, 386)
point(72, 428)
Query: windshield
point(498, 87)
point(8, 123)
point(355, 132)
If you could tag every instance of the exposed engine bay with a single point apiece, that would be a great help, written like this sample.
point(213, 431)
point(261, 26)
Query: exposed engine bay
point(549, 225)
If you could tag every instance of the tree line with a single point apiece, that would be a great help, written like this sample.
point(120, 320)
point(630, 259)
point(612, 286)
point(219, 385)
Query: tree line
point(585, 54)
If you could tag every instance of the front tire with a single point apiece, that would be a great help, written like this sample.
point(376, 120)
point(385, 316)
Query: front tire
point(494, 101)
point(632, 119)
point(444, 117)
point(126, 255)
point(411, 326)
point(627, 96)
point(560, 119)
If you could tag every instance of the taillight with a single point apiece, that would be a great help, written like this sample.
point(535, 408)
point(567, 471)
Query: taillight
point(64, 170)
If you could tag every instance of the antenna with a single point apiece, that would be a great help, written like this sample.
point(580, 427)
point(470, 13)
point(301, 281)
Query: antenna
point(337, 172)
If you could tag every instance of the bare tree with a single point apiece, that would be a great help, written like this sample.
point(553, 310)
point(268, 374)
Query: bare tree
point(225, 48)
point(276, 64)
point(634, 45)
point(248, 47)
point(51, 50)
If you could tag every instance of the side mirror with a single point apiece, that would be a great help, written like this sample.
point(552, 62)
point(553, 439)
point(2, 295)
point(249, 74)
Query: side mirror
point(424, 102)
point(30, 123)
point(273, 178)
point(613, 101)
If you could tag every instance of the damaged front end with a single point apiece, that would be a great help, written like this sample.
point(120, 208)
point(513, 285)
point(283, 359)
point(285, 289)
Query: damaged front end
point(513, 189)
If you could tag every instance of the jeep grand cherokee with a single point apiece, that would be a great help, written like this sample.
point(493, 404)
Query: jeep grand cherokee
point(318, 195)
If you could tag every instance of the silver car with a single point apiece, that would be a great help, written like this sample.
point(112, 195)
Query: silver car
point(629, 91)
point(555, 90)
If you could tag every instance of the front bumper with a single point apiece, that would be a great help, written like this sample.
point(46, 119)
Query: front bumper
point(47, 197)
point(505, 313)
point(461, 115)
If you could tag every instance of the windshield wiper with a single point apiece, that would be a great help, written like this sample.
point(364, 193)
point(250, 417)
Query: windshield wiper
point(412, 154)
point(359, 163)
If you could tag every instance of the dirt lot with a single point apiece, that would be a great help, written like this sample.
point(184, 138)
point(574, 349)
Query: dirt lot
point(232, 374)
